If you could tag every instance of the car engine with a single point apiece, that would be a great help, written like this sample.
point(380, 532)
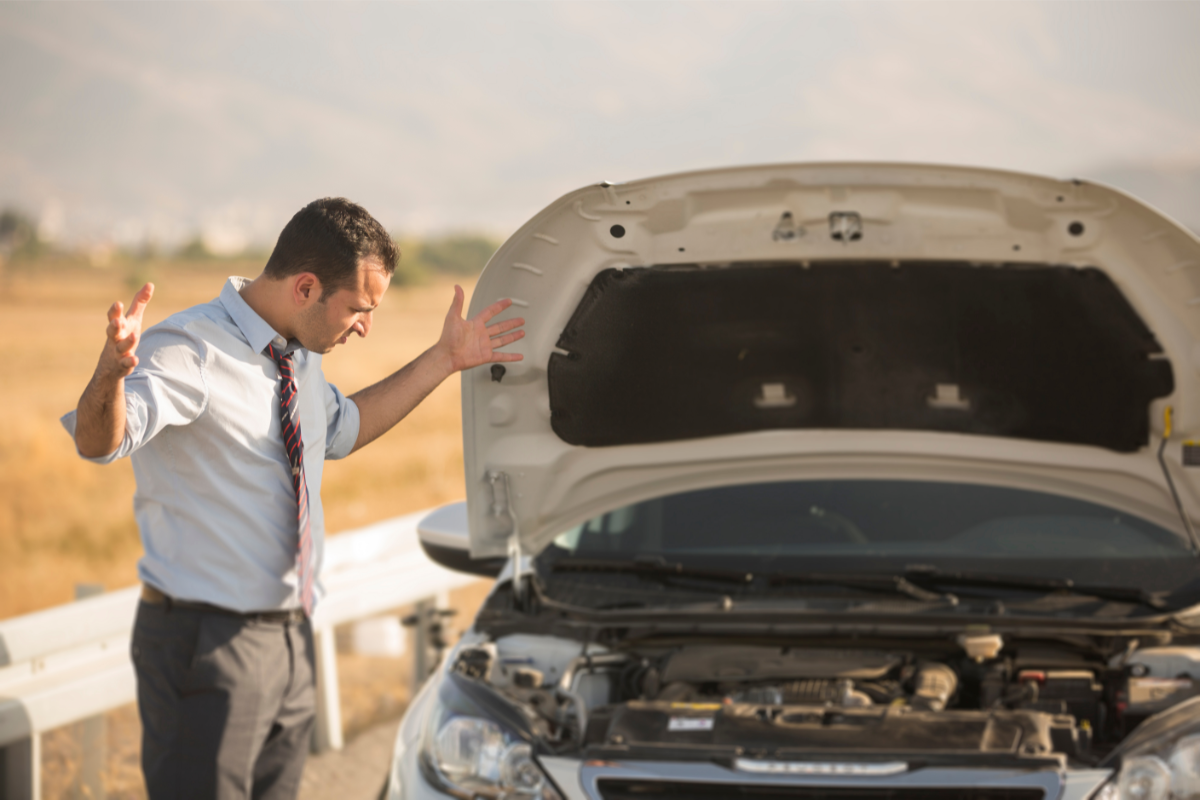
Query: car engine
point(994, 700)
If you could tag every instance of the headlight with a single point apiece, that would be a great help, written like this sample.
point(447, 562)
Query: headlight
point(469, 753)
point(1185, 768)
point(1144, 778)
point(1157, 762)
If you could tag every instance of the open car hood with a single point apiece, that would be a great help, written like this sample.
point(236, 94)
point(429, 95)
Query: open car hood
point(833, 320)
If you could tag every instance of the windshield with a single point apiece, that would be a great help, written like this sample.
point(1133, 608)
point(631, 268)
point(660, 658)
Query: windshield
point(885, 527)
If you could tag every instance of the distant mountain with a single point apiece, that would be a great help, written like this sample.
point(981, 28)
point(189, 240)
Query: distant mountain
point(1171, 188)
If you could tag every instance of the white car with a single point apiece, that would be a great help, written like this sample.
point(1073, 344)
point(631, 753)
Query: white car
point(852, 481)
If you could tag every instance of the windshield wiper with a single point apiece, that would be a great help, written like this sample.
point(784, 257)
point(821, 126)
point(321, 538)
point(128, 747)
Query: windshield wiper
point(655, 567)
point(895, 584)
point(1121, 594)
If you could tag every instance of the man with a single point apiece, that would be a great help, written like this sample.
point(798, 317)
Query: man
point(228, 419)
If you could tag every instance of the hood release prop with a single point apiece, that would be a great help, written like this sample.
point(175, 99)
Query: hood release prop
point(503, 524)
point(1162, 462)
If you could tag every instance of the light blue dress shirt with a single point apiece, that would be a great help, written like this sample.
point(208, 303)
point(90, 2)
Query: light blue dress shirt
point(214, 501)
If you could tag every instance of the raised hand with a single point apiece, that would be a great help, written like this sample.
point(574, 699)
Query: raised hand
point(100, 416)
point(123, 334)
point(471, 342)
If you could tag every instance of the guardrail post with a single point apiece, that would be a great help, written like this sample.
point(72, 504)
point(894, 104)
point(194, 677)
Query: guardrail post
point(327, 734)
point(21, 769)
point(93, 732)
point(422, 658)
point(428, 622)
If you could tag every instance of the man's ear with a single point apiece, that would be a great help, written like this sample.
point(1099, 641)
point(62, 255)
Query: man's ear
point(306, 289)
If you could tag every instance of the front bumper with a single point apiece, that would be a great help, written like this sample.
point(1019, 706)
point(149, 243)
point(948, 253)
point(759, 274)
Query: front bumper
point(582, 781)
point(612, 780)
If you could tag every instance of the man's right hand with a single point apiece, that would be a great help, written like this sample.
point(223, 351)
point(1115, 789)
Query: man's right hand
point(100, 416)
point(123, 334)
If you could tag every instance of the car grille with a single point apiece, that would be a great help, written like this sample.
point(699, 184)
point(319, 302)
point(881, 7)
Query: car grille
point(649, 790)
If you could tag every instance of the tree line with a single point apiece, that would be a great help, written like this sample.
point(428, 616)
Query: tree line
point(460, 254)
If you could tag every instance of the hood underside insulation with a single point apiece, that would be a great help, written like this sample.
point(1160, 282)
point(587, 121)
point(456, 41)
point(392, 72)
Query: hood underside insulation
point(1034, 352)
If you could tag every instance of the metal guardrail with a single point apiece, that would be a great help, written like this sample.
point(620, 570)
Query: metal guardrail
point(71, 662)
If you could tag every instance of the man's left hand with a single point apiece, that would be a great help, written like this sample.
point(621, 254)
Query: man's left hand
point(471, 342)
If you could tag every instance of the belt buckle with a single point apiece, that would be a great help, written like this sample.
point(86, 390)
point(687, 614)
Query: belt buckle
point(284, 616)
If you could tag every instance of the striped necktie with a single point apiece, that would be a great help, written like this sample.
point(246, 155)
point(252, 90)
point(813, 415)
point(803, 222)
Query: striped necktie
point(289, 417)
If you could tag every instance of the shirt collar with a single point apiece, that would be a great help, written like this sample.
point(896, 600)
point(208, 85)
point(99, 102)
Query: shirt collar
point(257, 332)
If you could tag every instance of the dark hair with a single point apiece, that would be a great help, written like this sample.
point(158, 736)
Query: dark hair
point(329, 237)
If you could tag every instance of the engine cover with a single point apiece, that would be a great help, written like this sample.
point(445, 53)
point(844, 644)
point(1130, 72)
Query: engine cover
point(792, 730)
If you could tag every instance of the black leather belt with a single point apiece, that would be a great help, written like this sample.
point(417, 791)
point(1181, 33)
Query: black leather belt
point(289, 616)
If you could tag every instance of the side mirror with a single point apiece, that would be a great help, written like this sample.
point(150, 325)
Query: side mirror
point(447, 541)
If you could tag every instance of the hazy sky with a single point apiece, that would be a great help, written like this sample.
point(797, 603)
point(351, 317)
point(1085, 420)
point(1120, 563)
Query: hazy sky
point(154, 119)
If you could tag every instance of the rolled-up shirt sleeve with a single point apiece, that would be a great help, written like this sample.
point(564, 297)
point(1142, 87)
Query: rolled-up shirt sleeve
point(342, 420)
point(168, 387)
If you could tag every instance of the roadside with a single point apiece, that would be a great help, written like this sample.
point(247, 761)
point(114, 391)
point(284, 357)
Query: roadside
point(357, 772)
point(374, 665)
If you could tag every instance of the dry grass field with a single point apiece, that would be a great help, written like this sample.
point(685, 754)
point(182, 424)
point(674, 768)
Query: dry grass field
point(65, 522)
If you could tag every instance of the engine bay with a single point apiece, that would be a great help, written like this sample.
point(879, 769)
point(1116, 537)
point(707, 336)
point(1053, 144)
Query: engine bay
point(980, 696)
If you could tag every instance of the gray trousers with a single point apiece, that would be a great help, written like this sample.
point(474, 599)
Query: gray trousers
point(226, 703)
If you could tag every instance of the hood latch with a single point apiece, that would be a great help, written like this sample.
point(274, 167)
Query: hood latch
point(845, 226)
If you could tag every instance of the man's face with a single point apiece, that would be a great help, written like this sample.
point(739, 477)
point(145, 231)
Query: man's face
point(331, 321)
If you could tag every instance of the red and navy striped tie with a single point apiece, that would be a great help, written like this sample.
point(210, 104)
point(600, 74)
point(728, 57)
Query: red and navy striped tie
point(289, 416)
